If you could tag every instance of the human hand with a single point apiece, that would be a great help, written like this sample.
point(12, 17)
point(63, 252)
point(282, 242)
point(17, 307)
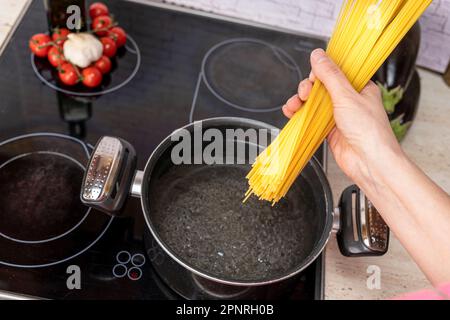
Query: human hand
point(362, 140)
point(366, 149)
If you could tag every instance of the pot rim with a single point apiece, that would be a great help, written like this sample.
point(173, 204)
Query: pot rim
point(320, 244)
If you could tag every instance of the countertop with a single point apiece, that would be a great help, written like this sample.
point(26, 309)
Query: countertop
point(427, 144)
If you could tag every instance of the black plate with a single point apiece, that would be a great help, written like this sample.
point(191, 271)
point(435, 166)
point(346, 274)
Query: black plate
point(128, 59)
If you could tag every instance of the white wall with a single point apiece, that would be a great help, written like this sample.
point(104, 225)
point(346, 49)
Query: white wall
point(311, 16)
point(435, 49)
point(318, 17)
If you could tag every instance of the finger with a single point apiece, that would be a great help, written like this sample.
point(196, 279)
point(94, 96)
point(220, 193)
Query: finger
point(332, 133)
point(331, 76)
point(293, 104)
point(304, 89)
point(333, 138)
point(312, 77)
point(371, 90)
point(287, 113)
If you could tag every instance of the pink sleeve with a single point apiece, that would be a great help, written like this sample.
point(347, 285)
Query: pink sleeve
point(439, 293)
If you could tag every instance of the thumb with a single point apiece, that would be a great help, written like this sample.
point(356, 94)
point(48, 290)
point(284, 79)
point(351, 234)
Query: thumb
point(331, 76)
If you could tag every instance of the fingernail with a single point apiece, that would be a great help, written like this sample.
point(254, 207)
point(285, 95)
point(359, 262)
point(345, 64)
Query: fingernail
point(318, 55)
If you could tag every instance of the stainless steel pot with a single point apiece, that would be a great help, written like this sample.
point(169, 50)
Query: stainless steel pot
point(111, 177)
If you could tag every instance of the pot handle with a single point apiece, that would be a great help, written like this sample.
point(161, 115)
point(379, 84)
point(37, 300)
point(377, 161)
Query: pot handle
point(108, 178)
point(362, 230)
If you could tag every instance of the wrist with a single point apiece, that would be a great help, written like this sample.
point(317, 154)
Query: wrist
point(381, 166)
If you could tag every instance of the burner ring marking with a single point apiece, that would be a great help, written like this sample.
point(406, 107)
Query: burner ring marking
point(62, 234)
point(85, 147)
point(282, 55)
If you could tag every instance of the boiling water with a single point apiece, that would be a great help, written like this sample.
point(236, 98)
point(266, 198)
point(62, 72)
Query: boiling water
point(198, 212)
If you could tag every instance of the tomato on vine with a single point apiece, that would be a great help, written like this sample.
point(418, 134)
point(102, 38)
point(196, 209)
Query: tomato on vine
point(118, 35)
point(101, 24)
point(68, 74)
point(39, 44)
point(60, 35)
point(56, 56)
point(98, 9)
point(109, 47)
point(92, 77)
point(103, 64)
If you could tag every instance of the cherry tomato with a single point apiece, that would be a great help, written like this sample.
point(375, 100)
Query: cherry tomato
point(102, 22)
point(98, 9)
point(109, 47)
point(118, 35)
point(59, 35)
point(39, 44)
point(68, 74)
point(103, 64)
point(92, 77)
point(56, 56)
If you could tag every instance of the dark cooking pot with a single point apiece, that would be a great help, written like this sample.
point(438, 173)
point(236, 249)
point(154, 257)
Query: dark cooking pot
point(111, 177)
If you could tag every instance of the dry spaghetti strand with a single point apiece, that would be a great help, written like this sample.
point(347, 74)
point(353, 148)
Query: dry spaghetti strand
point(366, 33)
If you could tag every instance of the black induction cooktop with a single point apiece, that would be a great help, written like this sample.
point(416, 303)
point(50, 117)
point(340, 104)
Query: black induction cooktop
point(180, 66)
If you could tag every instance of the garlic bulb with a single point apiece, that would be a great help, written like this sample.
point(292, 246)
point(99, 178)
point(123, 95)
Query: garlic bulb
point(82, 49)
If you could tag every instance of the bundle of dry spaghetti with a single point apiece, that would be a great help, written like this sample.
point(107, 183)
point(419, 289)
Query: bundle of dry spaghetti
point(366, 34)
